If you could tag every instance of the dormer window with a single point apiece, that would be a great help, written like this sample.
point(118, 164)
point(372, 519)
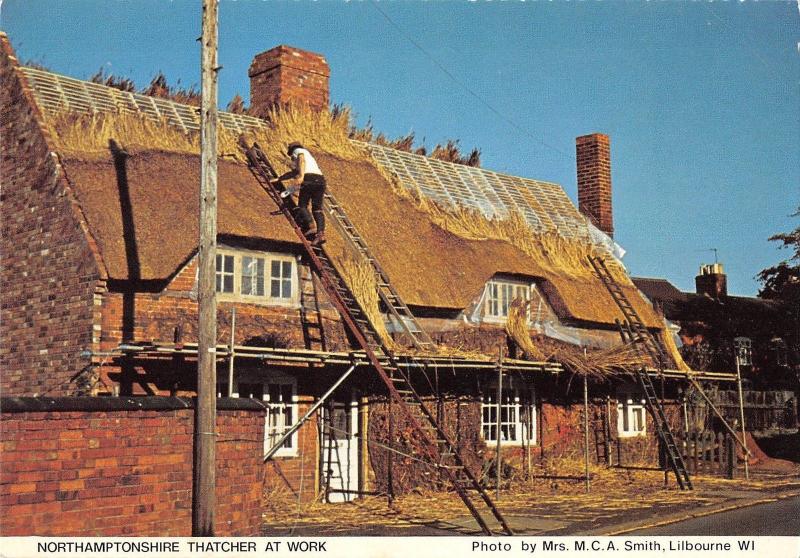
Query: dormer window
point(242, 276)
point(499, 295)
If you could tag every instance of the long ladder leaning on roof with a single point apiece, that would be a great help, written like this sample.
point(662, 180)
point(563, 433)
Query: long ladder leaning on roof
point(645, 343)
point(391, 299)
point(437, 447)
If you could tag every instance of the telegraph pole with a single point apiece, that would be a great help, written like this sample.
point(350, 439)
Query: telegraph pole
point(204, 472)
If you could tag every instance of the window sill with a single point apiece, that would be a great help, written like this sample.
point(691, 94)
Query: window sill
point(512, 444)
point(257, 301)
point(632, 434)
point(284, 453)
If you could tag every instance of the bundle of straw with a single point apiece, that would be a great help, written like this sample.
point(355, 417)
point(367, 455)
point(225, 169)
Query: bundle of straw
point(91, 132)
point(598, 363)
point(316, 130)
point(363, 283)
point(517, 328)
point(672, 349)
point(320, 130)
point(555, 253)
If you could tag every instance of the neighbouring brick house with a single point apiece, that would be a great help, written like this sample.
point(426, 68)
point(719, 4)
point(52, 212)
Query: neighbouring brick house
point(712, 323)
point(99, 277)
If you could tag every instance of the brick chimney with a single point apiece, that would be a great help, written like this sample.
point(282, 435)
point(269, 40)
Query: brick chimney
point(593, 155)
point(712, 281)
point(285, 75)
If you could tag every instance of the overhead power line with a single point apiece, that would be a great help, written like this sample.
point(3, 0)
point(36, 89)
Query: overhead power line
point(464, 86)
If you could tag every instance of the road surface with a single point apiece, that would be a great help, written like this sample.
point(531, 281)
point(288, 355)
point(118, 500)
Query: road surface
point(781, 518)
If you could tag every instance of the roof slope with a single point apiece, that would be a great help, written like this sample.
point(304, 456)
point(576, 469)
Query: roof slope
point(145, 218)
point(544, 205)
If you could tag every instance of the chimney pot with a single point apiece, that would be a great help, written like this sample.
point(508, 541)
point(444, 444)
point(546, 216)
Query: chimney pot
point(712, 281)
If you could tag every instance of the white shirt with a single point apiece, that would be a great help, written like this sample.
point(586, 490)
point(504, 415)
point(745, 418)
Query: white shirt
point(311, 164)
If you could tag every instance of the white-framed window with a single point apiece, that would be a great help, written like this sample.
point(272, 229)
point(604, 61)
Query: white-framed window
point(744, 350)
point(631, 415)
point(252, 276)
point(225, 273)
point(242, 275)
point(498, 297)
point(517, 415)
point(280, 396)
point(281, 273)
point(780, 351)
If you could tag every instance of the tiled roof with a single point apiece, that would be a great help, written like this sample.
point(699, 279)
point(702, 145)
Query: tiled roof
point(544, 205)
point(659, 290)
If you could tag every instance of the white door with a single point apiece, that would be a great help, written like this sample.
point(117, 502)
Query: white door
point(339, 447)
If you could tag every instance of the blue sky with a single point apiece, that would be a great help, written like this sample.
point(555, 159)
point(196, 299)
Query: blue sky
point(701, 99)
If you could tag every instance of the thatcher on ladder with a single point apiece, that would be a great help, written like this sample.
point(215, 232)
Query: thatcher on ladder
point(312, 189)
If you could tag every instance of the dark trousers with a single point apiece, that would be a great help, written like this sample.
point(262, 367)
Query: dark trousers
point(312, 190)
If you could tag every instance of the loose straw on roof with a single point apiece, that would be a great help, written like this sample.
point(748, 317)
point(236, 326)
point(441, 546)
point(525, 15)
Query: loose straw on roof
point(599, 363)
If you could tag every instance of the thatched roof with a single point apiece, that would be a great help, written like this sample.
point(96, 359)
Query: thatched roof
point(146, 227)
point(159, 231)
point(429, 266)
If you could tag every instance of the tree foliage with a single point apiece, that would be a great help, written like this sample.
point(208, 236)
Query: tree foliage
point(782, 281)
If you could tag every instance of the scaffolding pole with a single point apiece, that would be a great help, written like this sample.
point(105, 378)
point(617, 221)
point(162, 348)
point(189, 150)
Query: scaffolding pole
point(741, 418)
point(586, 429)
point(231, 352)
point(498, 457)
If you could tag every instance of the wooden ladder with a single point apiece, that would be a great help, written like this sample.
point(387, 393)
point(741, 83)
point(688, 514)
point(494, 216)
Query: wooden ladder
point(645, 343)
point(391, 299)
point(436, 446)
point(310, 311)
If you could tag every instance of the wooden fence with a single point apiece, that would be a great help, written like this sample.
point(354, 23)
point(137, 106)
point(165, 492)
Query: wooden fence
point(763, 410)
point(708, 453)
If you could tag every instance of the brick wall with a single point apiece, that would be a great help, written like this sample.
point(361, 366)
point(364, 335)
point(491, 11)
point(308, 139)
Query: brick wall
point(148, 316)
point(285, 75)
point(561, 433)
point(117, 466)
point(50, 273)
point(714, 285)
point(593, 153)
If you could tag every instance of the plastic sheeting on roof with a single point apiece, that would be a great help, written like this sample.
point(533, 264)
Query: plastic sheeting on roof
point(544, 205)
